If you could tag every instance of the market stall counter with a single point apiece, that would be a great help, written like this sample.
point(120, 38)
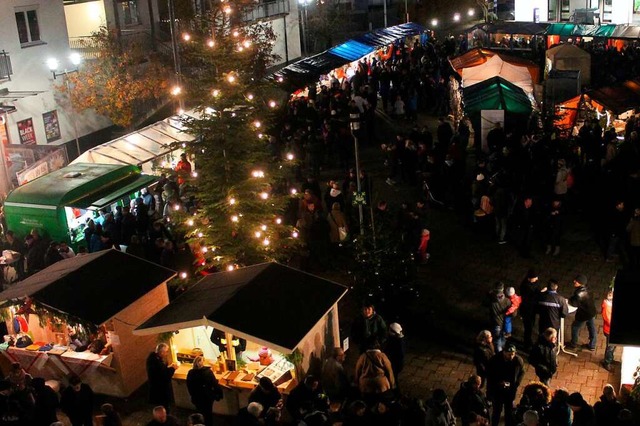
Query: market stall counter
point(77, 316)
point(266, 320)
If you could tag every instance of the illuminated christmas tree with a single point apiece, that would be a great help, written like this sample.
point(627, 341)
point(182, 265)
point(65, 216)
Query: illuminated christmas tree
point(241, 182)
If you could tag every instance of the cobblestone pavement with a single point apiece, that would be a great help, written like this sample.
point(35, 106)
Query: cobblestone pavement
point(465, 261)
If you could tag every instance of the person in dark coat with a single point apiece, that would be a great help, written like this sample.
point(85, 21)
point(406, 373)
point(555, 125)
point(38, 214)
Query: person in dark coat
point(203, 389)
point(543, 356)
point(559, 413)
point(77, 402)
point(303, 394)
point(525, 219)
point(395, 349)
point(266, 394)
point(583, 414)
point(505, 373)
point(46, 403)
point(36, 249)
point(483, 353)
point(367, 325)
point(608, 408)
point(530, 292)
point(551, 308)
point(470, 399)
point(498, 306)
point(159, 374)
point(161, 418)
point(249, 415)
point(586, 313)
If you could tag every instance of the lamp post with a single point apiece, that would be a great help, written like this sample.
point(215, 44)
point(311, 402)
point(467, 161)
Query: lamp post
point(406, 9)
point(354, 124)
point(53, 65)
point(303, 22)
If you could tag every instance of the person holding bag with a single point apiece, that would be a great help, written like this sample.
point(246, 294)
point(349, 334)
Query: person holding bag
point(203, 388)
point(339, 231)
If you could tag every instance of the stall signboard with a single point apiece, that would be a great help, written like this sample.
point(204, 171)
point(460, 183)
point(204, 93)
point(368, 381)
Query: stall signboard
point(27, 132)
point(39, 169)
point(51, 125)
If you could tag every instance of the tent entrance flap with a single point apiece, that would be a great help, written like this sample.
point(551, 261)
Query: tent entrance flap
point(109, 196)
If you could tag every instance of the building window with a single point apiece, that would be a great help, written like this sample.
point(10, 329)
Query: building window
point(636, 6)
point(565, 10)
point(128, 11)
point(553, 10)
point(28, 28)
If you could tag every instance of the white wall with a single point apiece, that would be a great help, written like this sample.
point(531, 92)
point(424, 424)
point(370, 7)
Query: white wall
point(83, 19)
point(524, 10)
point(291, 44)
point(30, 72)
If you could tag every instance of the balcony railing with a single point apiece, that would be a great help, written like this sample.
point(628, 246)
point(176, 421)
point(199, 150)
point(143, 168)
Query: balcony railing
point(5, 66)
point(267, 9)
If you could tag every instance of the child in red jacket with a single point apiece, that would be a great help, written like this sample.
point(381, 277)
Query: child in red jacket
point(512, 311)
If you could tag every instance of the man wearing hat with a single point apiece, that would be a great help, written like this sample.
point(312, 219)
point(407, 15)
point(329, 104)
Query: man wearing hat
point(504, 375)
point(585, 314)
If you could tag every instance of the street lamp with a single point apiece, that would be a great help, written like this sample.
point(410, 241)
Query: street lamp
point(471, 12)
point(354, 124)
point(434, 22)
point(456, 17)
point(53, 65)
point(303, 22)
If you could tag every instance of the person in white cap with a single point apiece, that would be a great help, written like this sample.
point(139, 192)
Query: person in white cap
point(395, 349)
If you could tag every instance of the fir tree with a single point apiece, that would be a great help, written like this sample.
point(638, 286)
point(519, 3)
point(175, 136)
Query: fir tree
point(241, 185)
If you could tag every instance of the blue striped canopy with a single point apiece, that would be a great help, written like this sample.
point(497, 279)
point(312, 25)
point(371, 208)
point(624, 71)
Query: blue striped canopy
point(305, 71)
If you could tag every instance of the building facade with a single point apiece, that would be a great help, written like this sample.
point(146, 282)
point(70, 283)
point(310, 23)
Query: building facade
point(32, 33)
point(579, 11)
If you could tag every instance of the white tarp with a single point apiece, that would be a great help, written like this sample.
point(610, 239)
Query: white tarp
point(494, 67)
point(148, 147)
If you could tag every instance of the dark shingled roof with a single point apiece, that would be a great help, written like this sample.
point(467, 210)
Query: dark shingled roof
point(93, 287)
point(268, 303)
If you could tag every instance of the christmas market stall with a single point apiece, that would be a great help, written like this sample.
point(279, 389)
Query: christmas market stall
point(567, 57)
point(493, 101)
point(77, 316)
point(506, 35)
point(341, 61)
point(613, 105)
point(155, 147)
point(60, 204)
point(266, 320)
point(624, 329)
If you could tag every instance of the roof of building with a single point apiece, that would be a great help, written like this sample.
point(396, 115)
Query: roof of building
point(269, 303)
point(92, 287)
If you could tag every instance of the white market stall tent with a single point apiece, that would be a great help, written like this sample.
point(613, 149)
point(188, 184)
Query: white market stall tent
point(497, 67)
point(157, 145)
point(568, 57)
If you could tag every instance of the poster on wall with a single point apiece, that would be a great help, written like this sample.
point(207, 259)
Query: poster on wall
point(26, 132)
point(51, 125)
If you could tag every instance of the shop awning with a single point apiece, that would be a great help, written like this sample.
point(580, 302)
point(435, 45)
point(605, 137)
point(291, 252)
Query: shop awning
point(308, 70)
point(269, 303)
point(141, 147)
point(510, 27)
point(626, 32)
point(624, 326)
point(478, 56)
point(495, 66)
point(93, 287)
point(568, 30)
point(496, 93)
point(110, 196)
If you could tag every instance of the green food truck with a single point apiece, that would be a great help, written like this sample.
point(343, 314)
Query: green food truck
point(60, 204)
